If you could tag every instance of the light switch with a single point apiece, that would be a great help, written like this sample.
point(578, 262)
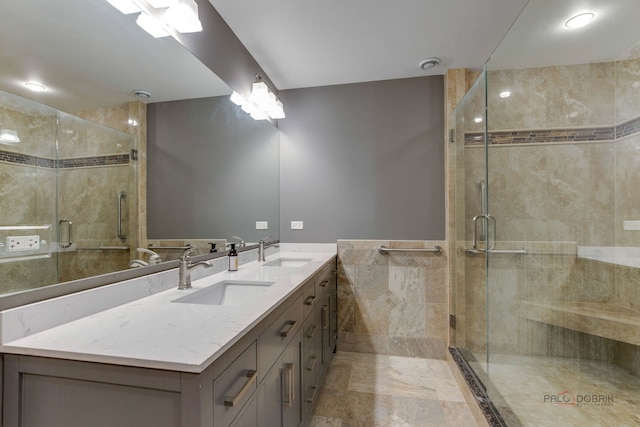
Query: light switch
point(262, 225)
point(297, 225)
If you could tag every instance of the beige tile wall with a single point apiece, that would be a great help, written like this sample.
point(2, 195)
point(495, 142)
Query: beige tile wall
point(393, 304)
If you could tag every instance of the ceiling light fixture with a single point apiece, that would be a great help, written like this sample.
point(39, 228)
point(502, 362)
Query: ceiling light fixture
point(262, 103)
point(429, 63)
point(9, 137)
point(36, 87)
point(579, 20)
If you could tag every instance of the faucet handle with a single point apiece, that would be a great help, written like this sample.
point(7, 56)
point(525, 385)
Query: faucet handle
point(185, 255)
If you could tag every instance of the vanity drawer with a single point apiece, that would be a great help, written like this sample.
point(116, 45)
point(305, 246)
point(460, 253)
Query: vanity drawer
point(277, 335)
point(235, 386)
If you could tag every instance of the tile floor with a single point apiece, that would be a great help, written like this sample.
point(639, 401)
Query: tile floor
point(391, 391)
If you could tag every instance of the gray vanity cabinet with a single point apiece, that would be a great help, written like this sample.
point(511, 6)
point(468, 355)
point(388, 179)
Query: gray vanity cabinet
point(269, 377)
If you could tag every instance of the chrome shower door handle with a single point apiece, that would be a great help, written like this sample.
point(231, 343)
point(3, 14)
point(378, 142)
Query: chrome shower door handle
point(69, 233)
point(122, 196)
point(486, 220)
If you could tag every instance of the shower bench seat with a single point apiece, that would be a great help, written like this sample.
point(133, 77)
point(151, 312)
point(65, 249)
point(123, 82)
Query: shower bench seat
point(602, 319)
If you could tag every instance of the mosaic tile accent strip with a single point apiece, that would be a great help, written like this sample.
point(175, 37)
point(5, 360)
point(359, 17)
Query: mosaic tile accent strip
point(115, 159)
point(26, 159)
point(603, 133)
point(488, 409)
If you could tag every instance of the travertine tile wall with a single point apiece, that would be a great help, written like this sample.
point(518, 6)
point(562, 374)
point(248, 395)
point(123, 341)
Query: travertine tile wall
point(393, 304)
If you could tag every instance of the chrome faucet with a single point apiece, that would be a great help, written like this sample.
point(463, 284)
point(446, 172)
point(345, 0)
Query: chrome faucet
point(262, 245)
point(239, 244)
point(154, 258)
point(184, 269)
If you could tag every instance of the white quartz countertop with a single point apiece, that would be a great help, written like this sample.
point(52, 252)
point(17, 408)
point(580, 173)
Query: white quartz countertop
point(154, 332)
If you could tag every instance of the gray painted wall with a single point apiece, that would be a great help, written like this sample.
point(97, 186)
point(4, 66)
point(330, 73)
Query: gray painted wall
point(364, 161)
point(212, 171)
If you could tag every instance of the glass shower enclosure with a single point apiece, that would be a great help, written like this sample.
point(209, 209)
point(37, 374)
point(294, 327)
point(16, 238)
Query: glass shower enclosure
point(547, 225)
point(68, 196)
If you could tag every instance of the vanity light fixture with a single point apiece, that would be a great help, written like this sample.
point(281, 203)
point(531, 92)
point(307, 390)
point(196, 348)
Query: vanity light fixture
point(183, 16)
point(9, 137)
point(262, 103)
point(151, 25)
point(579, 20)
point(160, 17)
point(35, 87)
point(125, 6)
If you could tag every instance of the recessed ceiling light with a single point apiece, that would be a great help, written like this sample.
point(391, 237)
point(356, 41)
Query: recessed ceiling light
point(36, 87)
point(579, 20)
point(505, 94)
point(429, 63)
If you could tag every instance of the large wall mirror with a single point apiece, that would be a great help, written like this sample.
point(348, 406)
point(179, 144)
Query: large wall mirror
point(74, 188)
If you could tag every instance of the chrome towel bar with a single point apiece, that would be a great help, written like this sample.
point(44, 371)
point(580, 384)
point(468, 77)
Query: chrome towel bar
point(154, 247)
point(383, 249)
point(497, 251)
point(104, 248)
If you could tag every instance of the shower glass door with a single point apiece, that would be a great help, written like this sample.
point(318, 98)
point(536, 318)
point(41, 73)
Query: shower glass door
point(547, 212)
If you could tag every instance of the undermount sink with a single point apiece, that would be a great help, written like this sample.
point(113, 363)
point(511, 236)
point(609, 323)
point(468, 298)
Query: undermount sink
point(288, 262)
point(227, 292)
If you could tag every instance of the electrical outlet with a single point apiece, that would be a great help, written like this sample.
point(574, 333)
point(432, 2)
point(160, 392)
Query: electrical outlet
point(631, 225)
point(23, 243)
point(262, 225)
point(297, 225)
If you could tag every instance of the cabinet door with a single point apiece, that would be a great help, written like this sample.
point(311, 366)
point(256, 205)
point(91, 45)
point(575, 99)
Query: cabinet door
point(279, 401)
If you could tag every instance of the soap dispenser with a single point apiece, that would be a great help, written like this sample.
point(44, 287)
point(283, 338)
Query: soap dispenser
point(213, 248)
point(233, 258)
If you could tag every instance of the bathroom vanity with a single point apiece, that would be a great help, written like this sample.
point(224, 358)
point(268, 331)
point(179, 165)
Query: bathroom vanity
point(245, 348)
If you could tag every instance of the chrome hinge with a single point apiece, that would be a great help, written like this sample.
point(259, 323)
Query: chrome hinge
point(452, 321)
point(452, 135)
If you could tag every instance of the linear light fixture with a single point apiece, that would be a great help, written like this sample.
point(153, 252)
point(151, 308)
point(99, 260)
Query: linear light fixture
point(159, 17)
point(262, 104)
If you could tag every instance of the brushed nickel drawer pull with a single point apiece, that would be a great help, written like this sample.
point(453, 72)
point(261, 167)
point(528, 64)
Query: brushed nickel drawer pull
point(325, 316)
point(312, 331)
point(290, 324)
point(233, 401)
point(310, 299)
point(313, 363)
point(313, 396)
point(289, 373)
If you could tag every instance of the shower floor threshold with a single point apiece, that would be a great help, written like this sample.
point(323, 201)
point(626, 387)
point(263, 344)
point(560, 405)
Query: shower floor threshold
point(601, 319)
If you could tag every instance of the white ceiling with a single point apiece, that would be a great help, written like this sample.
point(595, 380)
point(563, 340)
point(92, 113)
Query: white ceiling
point(90, 55)
point(303, 43)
